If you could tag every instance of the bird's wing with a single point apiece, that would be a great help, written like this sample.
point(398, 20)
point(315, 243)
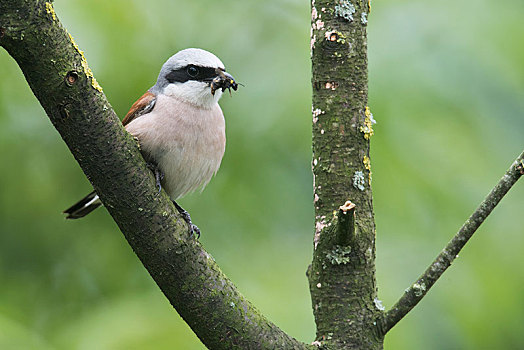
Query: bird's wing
point(143, 105)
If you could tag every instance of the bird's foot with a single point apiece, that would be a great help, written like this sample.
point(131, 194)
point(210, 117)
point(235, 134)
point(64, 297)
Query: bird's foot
point(159, 175)
point(193, 229)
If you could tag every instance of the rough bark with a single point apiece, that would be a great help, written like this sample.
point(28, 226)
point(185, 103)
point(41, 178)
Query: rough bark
point(342, 275)
point(60, 78)
point(347, 311)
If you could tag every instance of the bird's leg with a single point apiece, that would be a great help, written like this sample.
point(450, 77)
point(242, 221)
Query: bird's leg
point(193, 229)
point(159, 175)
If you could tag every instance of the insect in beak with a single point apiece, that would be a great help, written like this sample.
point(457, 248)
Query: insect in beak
point(223, 81)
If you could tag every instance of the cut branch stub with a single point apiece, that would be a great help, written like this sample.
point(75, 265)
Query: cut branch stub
point(346, 224)
point(342, 275)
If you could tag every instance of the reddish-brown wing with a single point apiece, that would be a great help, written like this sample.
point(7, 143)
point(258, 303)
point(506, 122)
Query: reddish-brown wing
point(143, 105)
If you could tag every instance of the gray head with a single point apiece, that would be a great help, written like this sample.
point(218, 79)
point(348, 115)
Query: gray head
point(195, 76)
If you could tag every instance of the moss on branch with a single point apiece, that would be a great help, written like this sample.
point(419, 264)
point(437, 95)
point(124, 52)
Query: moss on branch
point(60, 78)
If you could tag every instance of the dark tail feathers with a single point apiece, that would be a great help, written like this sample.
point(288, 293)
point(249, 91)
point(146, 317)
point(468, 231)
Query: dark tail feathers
point(83, 207)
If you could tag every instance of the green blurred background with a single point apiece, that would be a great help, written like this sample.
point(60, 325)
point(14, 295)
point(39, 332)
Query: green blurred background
point(447, 89)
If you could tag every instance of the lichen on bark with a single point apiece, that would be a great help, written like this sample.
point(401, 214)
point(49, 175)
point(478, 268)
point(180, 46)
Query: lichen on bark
point(60, 78)
point(342, 276)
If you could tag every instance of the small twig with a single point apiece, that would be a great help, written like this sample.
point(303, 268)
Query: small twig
point(418, 290)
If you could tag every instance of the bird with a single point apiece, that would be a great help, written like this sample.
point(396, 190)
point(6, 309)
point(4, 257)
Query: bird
point(179, 126)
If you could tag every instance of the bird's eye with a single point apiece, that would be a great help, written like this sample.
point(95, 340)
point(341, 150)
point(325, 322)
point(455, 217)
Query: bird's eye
point(192, 71)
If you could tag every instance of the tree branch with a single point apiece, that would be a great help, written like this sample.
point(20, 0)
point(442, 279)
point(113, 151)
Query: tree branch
point(418, 290)
point(60, 78)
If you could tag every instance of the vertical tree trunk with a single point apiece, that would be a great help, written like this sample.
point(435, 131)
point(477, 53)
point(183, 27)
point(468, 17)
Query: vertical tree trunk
point(342, 275)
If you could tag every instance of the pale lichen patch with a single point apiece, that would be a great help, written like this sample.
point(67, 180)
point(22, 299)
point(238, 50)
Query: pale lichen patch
point(320, 224)
point(85, 67)
point(419, 289)
point(364, 18)
point(331, 85)
point(314, 13)
point(318, 24)
point(316, 113)
point(312, 44)
point(369, 254)
point(378, 304)
point(345, 10)
point(339, 255)
point(359, 181)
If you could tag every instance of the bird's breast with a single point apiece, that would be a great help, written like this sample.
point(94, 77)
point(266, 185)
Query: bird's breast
point(187, 142)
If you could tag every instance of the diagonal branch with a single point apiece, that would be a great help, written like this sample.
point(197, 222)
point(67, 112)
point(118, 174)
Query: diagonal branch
point(60, 78)
point(418, 290)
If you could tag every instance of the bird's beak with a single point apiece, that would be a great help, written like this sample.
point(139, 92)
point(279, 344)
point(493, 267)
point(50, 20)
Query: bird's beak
point(223, 81)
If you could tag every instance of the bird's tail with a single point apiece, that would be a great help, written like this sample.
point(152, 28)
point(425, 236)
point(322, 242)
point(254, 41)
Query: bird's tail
point(83, 207)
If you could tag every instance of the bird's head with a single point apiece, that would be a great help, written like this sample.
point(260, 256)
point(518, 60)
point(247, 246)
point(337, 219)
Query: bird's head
point(195, 76)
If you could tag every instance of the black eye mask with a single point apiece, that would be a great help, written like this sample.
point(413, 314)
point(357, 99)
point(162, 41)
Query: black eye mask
point(191, 72)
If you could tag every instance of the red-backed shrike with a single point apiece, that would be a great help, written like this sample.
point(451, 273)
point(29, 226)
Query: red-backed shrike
point(179, 126)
